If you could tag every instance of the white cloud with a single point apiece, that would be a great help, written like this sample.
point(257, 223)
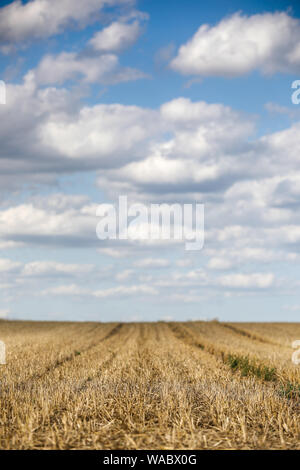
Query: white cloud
point(186, 298)
point(248, 281)
point(4, 313)
point(233, 256)
point(152, 263)
point(275, 108)
point(60, 202)
point(68, 66)
point(6, 245)
point(116, 37)
point(125, 291)
point(183, 151)
point(8, 266)
point(164, 54)
point(52, 268)
point(182, 278)
point(220, 263)
point(117, 253)
point(104, 69)
point(43, 18)
point(239, 44)
point(95, 132)
point(28, 223)
point(71, 289)
point(124, 275)
point(48, 269)
point(111, 292)
point(52, 129)
point(97, 62)
point(185, 262)
point(203, 151)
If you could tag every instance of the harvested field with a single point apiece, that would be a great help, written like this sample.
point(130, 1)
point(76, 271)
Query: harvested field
point(198, 385)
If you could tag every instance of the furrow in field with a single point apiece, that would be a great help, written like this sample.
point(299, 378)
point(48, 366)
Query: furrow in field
point(185, 397)
point(163, 381)
point(148, 386)
point(227, 339)
point(213, 395)
point(280, 333)
point(44, 401)
point(81, 345)
point(238, 358)
point(252, 336)
point(41, 349)
point(91, 393)
point(116, 349)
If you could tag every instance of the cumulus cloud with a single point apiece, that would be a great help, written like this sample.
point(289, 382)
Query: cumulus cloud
point(253, 280)
point(31, 224)
point(95, 133)
point(71, 289)
point(202, 154)
point(275, 108)
point(124, 275)
point(152, 263)
point(98, 62)
point(116, 37)
point(237, 45)
point(38, 223)
point(56, 135)
point(179, 146)
point(19, 279)
point(8, 266)
point(121, 252)
point(112, 292)
point(104, 69)
point(185, 298)
point(220, 263)
point(53, 130)
point(233, 257)
point(182, 151)
point(4, 313)
point(48, 269)
point(35, 19)
point(184, 262)
point(52, 268)
point(124, 291)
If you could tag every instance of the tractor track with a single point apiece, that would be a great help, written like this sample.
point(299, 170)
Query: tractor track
point(247, 334)
point(70, 357)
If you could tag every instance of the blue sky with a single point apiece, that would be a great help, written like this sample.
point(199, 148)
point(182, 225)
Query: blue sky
point(174, 101)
